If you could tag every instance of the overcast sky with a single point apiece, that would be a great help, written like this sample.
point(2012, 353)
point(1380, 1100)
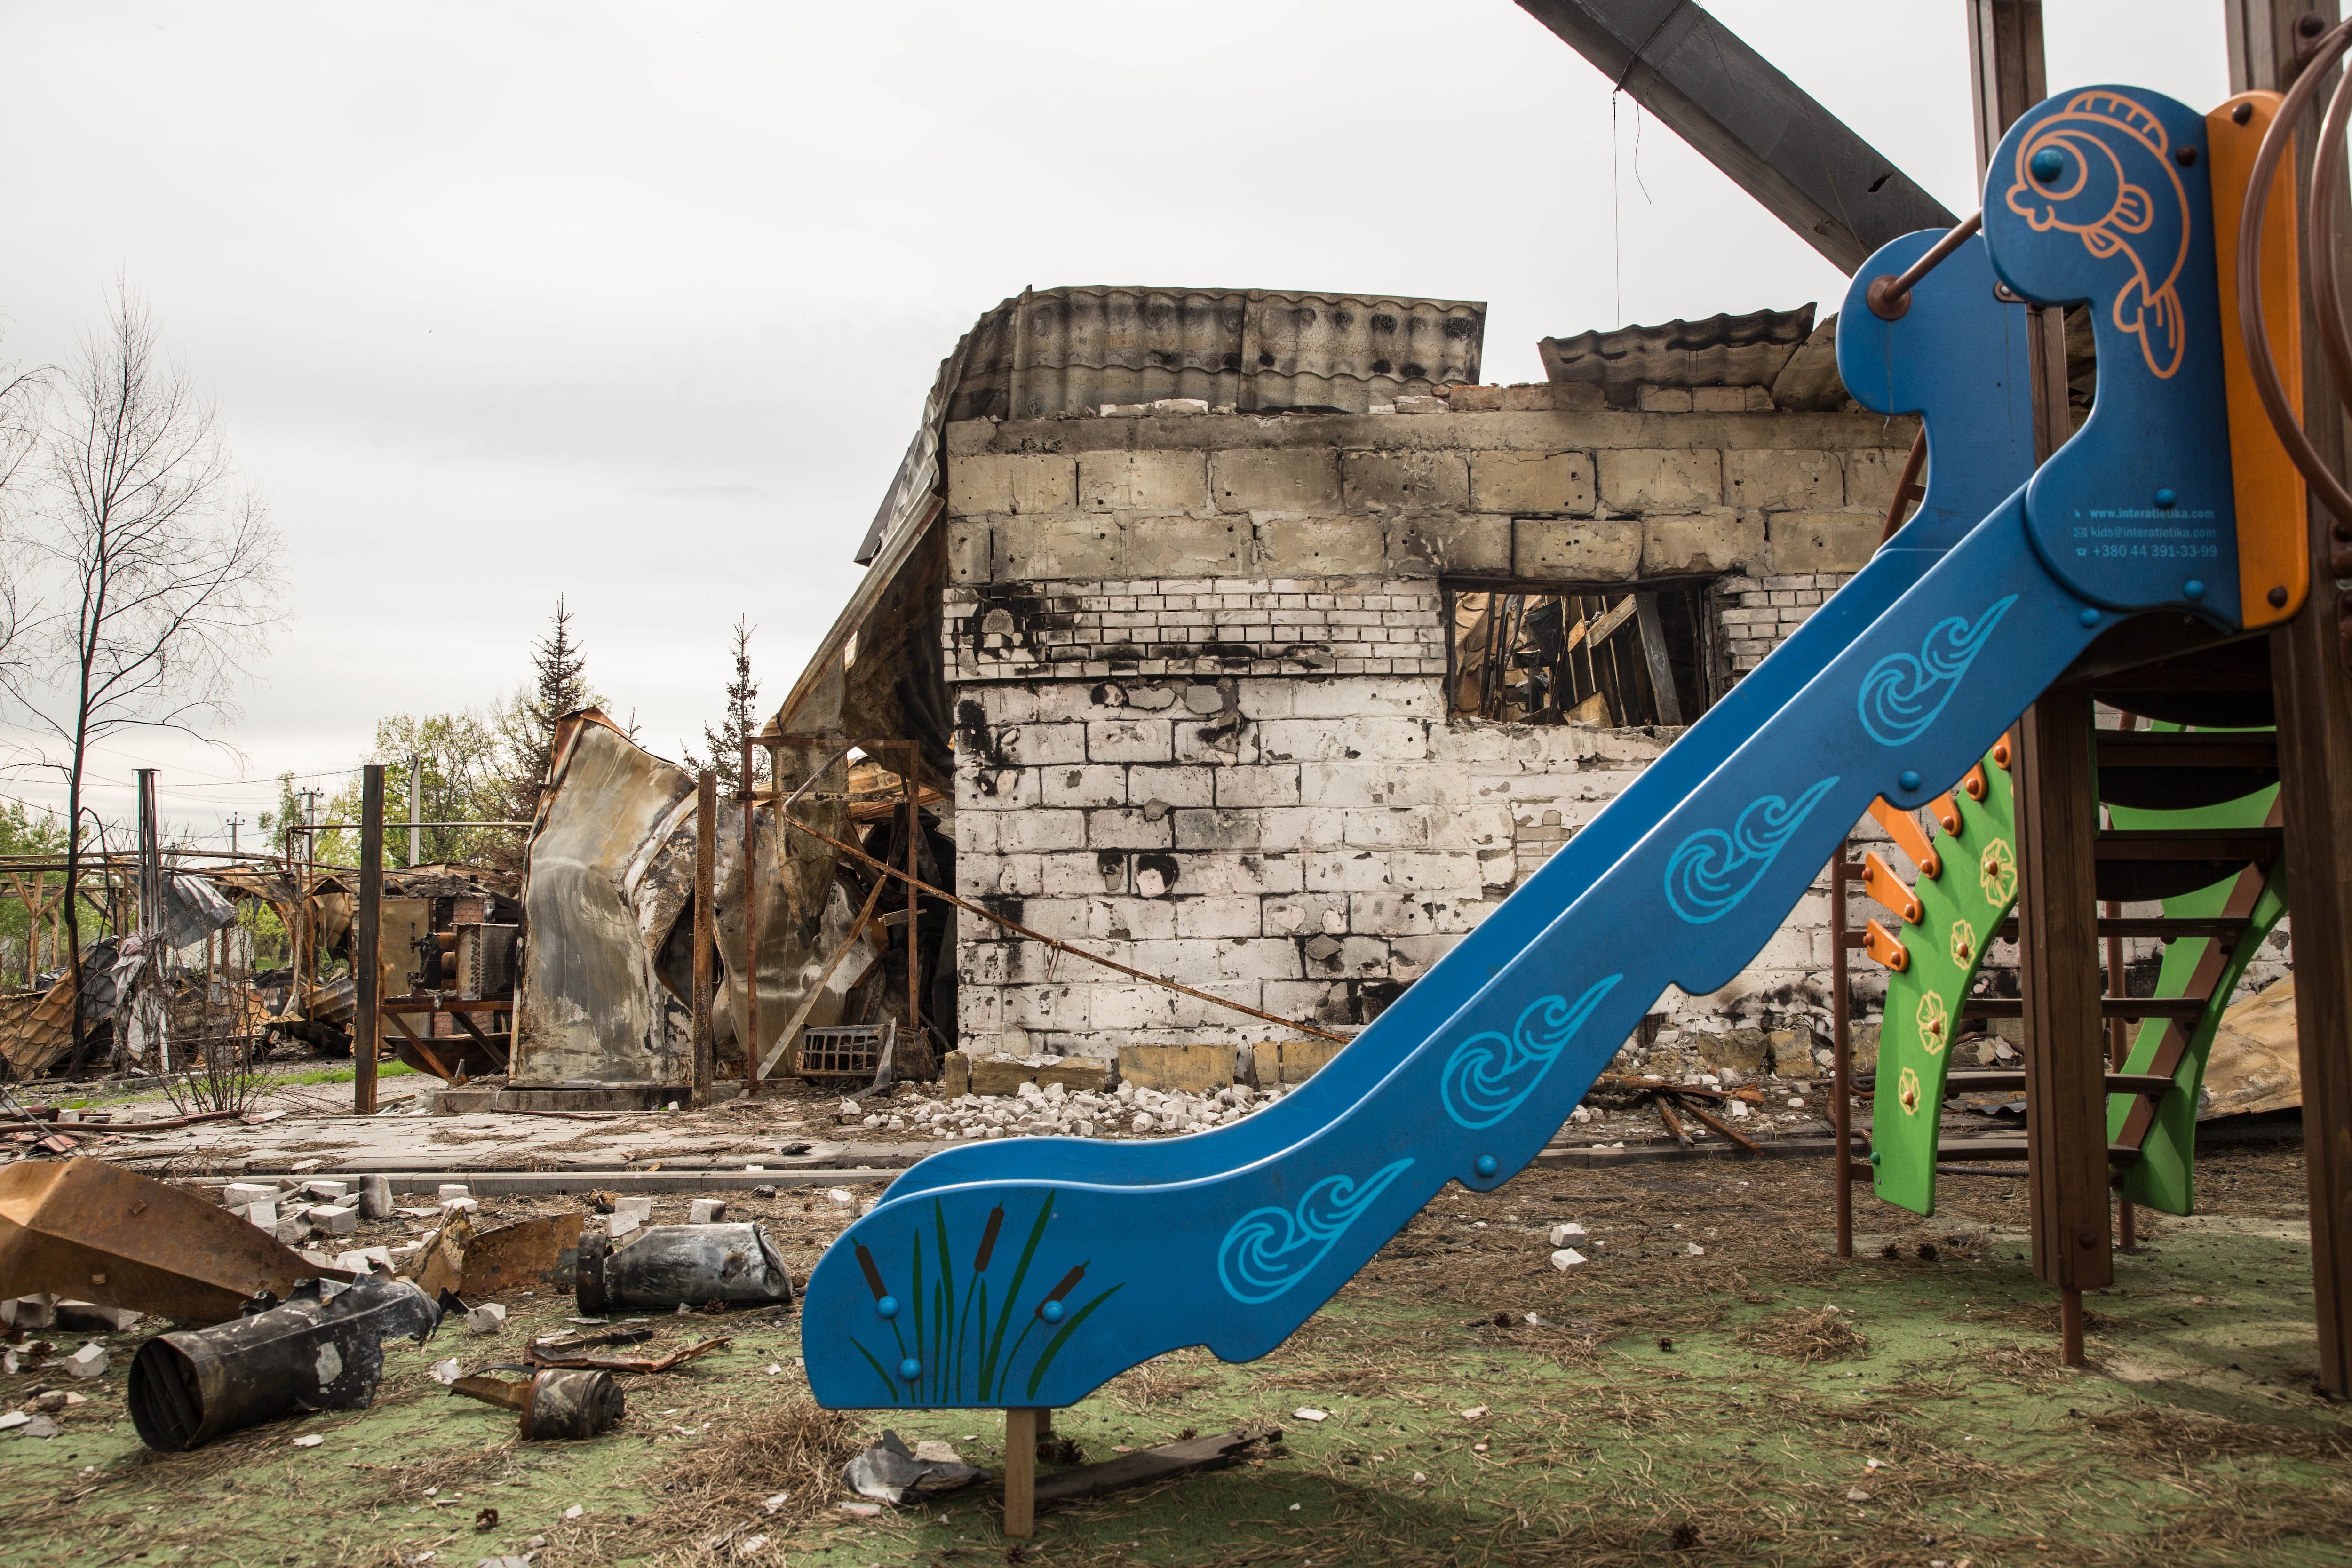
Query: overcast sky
point(638, 304)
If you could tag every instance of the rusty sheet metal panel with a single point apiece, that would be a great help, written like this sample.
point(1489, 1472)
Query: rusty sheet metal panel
point(95, 1232)
point(590, 1009)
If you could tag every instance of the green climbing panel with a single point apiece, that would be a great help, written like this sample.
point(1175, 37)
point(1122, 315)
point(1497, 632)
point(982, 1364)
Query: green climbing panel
point(1961, 906)
point(1960, 909)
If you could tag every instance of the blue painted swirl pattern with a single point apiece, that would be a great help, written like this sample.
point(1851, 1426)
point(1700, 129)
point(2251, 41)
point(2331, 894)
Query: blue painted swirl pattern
point(1903, 694)
point(1269, 1250)
point(1490, 1074)
point(1712, 870)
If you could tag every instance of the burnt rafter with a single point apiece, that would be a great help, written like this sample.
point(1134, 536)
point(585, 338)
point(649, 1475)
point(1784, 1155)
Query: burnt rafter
point(1843, 195)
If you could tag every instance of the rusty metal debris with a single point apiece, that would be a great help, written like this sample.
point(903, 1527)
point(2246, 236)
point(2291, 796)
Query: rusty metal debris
point(95, 1232)
point(559, 1355)
point(322, 1349)
point(668, 1266)
point(474, 1263)
point(555, 1406)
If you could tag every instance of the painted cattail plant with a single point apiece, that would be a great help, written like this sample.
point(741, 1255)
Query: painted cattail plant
point(956, 1354)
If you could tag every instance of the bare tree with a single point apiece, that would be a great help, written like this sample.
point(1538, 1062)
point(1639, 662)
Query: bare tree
point(158, 566)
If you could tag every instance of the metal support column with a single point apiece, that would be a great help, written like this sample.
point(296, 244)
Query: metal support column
point(706, 927)
point(367, 965)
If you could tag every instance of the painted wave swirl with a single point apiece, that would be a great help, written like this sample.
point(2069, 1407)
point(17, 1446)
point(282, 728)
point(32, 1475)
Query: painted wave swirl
point(1490, 1074)
point(1269, 1250)
point(1712, 870)
point(1903, 693)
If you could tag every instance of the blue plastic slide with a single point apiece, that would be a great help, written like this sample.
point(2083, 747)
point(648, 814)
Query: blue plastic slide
point(1027, 1272)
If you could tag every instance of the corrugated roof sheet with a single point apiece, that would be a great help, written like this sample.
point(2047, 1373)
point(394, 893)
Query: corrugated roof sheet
point(1721, 351)
point(1069, 351)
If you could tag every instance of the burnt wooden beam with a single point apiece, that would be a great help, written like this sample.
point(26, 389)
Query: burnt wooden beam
point(1807, 168)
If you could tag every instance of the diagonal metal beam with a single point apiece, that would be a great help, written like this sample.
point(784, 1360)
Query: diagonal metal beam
point(1841, 194)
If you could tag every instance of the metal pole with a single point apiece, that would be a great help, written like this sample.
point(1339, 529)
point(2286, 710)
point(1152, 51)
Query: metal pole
point(416, 809)
point(150, 909)
point(366, 950)
point(706, 927)
point(751, 935)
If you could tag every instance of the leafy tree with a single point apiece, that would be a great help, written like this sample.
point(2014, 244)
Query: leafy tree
point(723, 751)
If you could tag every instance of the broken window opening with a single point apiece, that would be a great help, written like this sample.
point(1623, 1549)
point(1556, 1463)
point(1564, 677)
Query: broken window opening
point(1607, 656)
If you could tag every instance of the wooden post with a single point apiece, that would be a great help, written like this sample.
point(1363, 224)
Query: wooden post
point(914, 958)
point(2065, 1058)
point(367, 968)
point(751, 930)
point(1021, 1433)
point(706, 927)
point(1840, 1045)
point(2314, 693)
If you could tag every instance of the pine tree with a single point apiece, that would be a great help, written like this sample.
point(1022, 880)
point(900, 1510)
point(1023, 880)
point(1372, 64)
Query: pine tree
point(559, 686)
point(724, 747)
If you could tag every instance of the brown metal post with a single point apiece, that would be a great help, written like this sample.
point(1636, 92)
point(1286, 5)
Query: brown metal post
point(2314, 694)
point(366, 954)
point(1841, 1052)
point(705, 926)
point(2058, 950)
point(751, 931)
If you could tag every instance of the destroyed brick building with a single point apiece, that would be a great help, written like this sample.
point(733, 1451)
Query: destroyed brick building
point(1268, 649)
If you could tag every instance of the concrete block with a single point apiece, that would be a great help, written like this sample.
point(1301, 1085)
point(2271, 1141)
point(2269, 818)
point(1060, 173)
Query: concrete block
point(1441, 543)
point(263, 1214)
point(1663, 399)
point(375, 1198)
point(366, 1260)
point(971, 546)
point(490, 1318)
point(1088, 784)
point(955, 1067)
point(1011, 482)
point(335, 1219)
point(1220, 917)
point(1037, 832)
point(1194, 1069)
point(1589, 550)
point(707, 1211)
point(1037, 548)
point(1374, 739)
point(1783, 481)
point(639, 1210)
point(1130, 827)
point(1273, 784)
point(1702, 542)
point(1414, 481)
point(326, 1192)
point(1129, 741)
point(1142, 481)
point(242, 1194)
point(448, 1190)
point(89, 1361)
point(1218, 829)
point(1293, 478)
point(1822, 541)
point(1729, 399)
point(1184, 546)
point(1476, 399)
point(1296, 1061)
point(987, 1075)
point(1042, 745)
point(1870, 476)
point(1640, 480)
point(1569, 1234)
point(1531, 481)
point(1528, 397)
point(1324, 547)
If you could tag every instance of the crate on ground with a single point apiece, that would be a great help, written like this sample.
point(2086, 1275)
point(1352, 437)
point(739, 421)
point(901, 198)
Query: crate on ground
point(846, 1051)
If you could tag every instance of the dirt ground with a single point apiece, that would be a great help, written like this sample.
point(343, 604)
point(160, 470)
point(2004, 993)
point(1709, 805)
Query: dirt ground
point(1714, 1387)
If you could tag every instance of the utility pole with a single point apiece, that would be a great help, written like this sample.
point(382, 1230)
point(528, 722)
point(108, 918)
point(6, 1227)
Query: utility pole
point(416, 809)
point(235, 822)
point(151, 913)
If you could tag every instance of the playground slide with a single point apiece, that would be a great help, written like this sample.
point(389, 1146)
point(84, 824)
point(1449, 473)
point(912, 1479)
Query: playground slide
point(1957, 358)
point(1029, 1278)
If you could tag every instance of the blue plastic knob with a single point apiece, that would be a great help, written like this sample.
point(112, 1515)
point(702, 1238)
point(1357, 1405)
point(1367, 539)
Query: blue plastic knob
point(2166, 499)
point(2194, 588)
point(885, 1305)
point(2047, 165)
point(1052, 1311)
point(1487, 1165)
point(911, 1369)
point(2089, 617)
point(1909, 778)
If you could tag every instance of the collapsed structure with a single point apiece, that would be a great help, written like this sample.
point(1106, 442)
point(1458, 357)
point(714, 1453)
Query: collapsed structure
point(1266, 648)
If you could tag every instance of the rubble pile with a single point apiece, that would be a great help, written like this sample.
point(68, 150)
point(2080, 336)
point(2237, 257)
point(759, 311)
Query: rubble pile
point(1056, 1110)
